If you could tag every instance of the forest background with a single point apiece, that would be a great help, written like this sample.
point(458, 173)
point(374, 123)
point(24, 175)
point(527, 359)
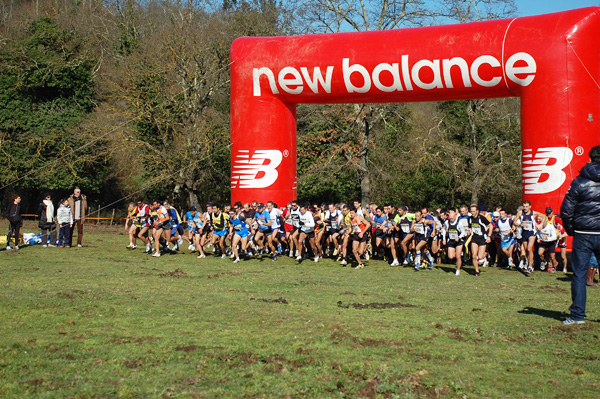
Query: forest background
point(130, 98)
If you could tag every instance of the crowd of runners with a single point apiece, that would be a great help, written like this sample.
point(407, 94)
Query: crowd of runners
point(353, 234)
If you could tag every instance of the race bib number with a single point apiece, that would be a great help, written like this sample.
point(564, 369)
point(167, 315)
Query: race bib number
point(453, 234)
point(527, 225)
point(419, 228)
point(476, 229)
point(356, 229)
point(405, 228)
point(505, 235)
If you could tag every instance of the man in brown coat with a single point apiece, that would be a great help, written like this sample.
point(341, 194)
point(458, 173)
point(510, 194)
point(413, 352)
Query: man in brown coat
point(78, 204)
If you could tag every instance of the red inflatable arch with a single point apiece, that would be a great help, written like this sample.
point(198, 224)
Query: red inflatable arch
point(551, 61)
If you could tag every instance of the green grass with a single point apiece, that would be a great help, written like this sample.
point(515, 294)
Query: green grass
point(101, 322)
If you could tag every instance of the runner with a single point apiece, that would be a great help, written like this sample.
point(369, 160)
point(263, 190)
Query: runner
point(307, 231)
point(333, 220)
point(507, 237)
point(263, 219)
point(161, 225)
point(526, 222)
point(480, 230)
point(359, 226)
point(547, 239)
point(404, 224)
point(454, 233)
point(188, 220)
point(199, 236)
point(220, 226)
point(380, 230)
point(238, 234)
point(420, 230)
point(276, 219)
point(135, 227)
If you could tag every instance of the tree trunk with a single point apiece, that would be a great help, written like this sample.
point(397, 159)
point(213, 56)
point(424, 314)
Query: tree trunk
point(365, 180)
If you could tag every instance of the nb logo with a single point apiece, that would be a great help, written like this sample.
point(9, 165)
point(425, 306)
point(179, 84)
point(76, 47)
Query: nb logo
point(543, 169)
point(257, 170)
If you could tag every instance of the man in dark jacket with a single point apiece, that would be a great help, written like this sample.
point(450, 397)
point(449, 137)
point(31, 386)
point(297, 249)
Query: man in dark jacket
point(580, 212)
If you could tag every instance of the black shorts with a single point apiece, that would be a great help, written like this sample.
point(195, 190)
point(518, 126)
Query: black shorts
point(294, 229)
point(380, 233)
point(308, 235)
point(395, 233)
point(548, 245)
point(479, 240)
point(266, 231)
point(164, 225)
point(454, 243)
point(420, 237)
point(364, 238)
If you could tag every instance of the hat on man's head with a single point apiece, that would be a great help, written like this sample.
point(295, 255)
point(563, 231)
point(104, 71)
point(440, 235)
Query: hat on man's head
point(549, 210)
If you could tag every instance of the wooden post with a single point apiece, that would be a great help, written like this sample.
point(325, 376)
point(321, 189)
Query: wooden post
point(98, 215)
point(113, 217)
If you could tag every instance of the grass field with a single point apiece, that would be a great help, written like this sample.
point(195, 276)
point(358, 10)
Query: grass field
point(103, 322)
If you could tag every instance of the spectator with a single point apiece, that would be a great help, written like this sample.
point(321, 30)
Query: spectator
point(64, 218)
point(78, 204)
point(580, 212)
point(47, 224)
point(13, 214)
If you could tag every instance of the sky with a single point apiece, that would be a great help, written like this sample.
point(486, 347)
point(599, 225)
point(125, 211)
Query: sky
point(536, 7)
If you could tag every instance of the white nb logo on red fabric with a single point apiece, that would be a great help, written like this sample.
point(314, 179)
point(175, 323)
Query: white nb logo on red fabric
point(543, 169)
point(257, 170)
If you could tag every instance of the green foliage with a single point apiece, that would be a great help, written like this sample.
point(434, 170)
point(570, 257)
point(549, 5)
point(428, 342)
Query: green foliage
point(46, 91)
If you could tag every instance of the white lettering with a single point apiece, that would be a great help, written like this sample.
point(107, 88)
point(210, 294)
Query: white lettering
point(447, 65)
point(406, 73)
point(394, 70)
point(435, 68)
point(256, 72)
point(349, 70)
point(512, 70)
point(318, 78)
point(479, 61)
point(286, 82)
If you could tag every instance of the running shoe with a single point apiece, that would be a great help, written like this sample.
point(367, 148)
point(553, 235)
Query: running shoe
point(431, 264)
point(343, 262)
point(568, 321)
point(232, 255)
point(180, 241)
point(543, 265)
point(360, 266)
point(236, 260)
point(316, 259)
point(201, 256)
point(298, 258)
point(395, 263)
point(476, 274)
point(405, 262)
point(130, 246)
point(274, 258)
point(367, 256)
point(156, 254)
point(335, 252)
point(529, 269)
point(223, 256)
point(457, 272)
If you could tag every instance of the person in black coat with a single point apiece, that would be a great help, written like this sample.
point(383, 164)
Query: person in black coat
point(13, 214)
point(580, 213)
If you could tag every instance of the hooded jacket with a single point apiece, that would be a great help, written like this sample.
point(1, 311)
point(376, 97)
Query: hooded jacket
point(580, 210)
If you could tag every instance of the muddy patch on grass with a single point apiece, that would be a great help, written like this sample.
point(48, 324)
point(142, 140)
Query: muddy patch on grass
point(341, 337)
point(177, 273)
point(279, 300)
point(224, 274)
point(553, 289)
point(139, 340)
point(376, 305)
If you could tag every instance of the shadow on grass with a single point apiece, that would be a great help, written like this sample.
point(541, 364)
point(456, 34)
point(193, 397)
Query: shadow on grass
point(550, 314)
